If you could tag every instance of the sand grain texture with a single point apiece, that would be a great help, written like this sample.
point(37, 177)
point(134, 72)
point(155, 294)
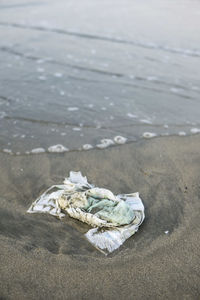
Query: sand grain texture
point(44, 258)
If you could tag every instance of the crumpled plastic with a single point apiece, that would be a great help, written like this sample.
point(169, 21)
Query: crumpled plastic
point(114, 218)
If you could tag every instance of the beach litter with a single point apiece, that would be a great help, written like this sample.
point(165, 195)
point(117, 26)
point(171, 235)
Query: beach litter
point(113, 218)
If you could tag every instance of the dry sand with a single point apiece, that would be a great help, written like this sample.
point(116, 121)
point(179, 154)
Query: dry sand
point(44, 258)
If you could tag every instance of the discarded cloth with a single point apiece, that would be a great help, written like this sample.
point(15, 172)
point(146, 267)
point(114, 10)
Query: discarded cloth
point(114, 218)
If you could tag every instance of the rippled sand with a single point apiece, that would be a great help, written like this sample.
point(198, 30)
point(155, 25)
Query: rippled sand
point(43, 257)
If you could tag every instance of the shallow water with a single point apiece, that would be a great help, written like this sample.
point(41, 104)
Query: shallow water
point(77, 72)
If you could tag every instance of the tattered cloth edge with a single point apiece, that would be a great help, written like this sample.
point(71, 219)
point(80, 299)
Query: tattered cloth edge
point(108, 240)
point(104, 239)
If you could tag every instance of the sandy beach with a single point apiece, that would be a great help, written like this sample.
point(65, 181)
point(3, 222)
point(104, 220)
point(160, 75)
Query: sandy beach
point(120, 78)
point(45, 258)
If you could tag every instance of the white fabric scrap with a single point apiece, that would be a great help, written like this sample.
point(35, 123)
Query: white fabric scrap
point(104, 239)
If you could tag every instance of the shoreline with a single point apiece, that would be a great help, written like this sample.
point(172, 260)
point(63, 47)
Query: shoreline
point(41, 150)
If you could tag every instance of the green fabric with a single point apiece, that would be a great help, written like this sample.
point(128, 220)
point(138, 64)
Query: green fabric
point(113, 212)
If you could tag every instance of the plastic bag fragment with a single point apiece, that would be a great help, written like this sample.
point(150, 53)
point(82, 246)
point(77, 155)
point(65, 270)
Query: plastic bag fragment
point(114, 218)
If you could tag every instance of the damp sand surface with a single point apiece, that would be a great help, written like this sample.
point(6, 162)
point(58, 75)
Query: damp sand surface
point(45, 258)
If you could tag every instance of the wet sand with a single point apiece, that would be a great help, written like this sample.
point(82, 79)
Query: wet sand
point(70, 74)
point(45, 258)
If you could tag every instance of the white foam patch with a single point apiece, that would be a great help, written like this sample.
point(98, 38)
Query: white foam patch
point(40, 61)
point(57, 148)
point(145, 121)
point(182, 133)
point(72, 108)
point(9, 151)
point(131, 115)
point(195, 130)
point(62, 93)
point(152, 78)
point(37, 150)
point(174, 90)
point(87, 147)
point(120, 139)
point(105, 143)
point(77, 129)
point(90, 105)
point(58, 75)
point(42, 78)
point(148, 135)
